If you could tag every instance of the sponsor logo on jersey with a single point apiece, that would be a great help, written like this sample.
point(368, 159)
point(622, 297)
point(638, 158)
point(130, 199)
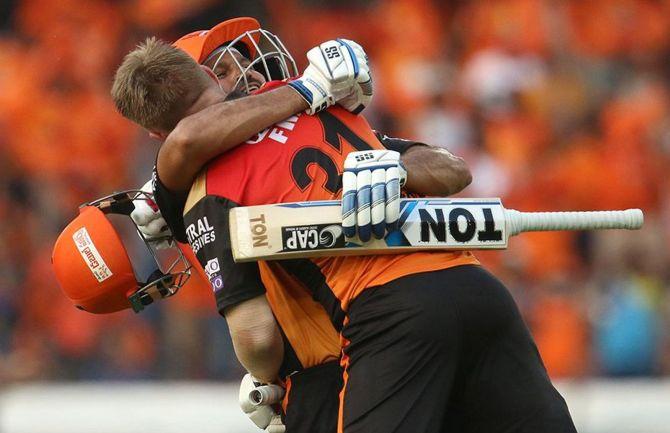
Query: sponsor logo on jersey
point(200, 233)
point(314, 237)
point(91, 255)
point(213, 271)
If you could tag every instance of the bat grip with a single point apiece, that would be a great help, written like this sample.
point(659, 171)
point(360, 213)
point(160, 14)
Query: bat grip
point(518, 222)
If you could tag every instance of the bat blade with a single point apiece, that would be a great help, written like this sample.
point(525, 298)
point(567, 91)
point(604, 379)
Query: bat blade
point(313, 229)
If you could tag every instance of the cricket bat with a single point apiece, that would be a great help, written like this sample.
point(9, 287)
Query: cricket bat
point(313, 229)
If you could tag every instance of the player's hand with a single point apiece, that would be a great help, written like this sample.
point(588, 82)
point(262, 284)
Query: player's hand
point(149, 220)
point(330, 76)
point(262, 414)
point(361, 93)
point(371, 185)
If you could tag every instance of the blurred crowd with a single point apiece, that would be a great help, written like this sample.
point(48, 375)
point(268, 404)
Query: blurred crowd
point(555, 105)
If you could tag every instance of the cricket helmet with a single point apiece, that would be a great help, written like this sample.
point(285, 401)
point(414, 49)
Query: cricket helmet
point(92, 263)
point(265, 51)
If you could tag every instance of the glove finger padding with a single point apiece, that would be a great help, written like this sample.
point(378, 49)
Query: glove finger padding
point(149, 221)
point(157, 233)
point(378, 206)
point(364, 82)
point(363, 202)
point(362, 75)
point(349, 203)
point(356, 47)
point(262, 416)
point(276, 425)
point(392, 198)
point(143, 214)
point(156, 228)
point(361, 94)
point(360, 97)
point(344, 71)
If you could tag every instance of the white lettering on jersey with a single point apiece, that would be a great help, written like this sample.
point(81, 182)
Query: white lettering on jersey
point(200, 234)
point(277, 133)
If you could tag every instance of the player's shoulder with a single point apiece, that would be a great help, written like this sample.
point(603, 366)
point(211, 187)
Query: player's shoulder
point(344, 115)
point(336, 122)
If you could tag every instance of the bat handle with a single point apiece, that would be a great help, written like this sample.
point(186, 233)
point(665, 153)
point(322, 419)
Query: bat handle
point(266, 395)
point(518, 222)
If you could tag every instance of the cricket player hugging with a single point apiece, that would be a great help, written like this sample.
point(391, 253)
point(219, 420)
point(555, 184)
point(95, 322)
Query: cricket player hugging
point(430, 341)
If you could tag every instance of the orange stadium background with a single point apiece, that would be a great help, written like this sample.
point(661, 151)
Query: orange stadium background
point(555, 105)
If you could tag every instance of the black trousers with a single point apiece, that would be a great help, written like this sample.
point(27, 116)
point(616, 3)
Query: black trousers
point(314, 399)
point(445, 351)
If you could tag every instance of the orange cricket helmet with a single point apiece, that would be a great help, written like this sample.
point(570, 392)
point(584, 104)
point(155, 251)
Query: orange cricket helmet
point(93, 267)
point(200, 44)
point(265, 51)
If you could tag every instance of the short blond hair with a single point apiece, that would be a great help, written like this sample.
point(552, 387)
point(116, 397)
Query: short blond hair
point(156, 84)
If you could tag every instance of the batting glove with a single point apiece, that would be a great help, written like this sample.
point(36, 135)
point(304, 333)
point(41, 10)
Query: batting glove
point(149, 220)
point(256, 402)
point(371, 185)
point(361, 94)
point(330, 76)
point(276, 425)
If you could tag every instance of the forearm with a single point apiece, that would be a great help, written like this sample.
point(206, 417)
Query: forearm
point(261, 360)
point(218, 128)
point(434, 171)
point(256, 338)
point(223, 126)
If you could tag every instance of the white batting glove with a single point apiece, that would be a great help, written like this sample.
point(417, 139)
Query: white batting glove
point(361, 94)
point(261, 414)
point(149, 220)
point(276, 425)
point(330, 76)
point(371, 185)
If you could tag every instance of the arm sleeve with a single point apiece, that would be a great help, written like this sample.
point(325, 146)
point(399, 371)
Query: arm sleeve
point(400, 145)
point(171, 204)
point(207, 232)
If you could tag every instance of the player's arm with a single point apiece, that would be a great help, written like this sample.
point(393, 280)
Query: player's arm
point(256, 338)
point(218, 128)
point(336, 68)
point(238, 289)
point(435, 171)
point(432, 170)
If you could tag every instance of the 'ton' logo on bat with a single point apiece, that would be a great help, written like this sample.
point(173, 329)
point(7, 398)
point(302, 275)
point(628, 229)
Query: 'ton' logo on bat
point(259, 231)
point(461, 224)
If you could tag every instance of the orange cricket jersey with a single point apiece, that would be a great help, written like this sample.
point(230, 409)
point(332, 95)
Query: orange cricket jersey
point(301, 159)
point(303, 321)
